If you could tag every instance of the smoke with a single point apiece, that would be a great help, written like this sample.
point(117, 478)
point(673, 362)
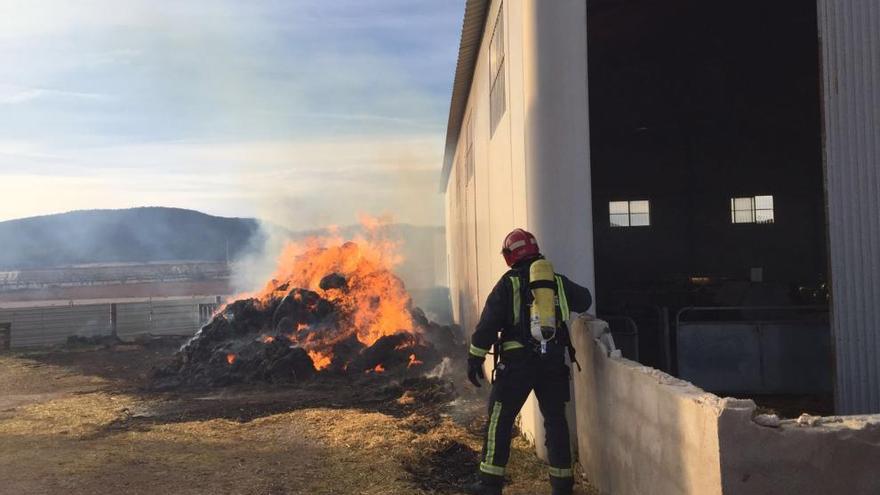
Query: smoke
point(309, 184)
point(421, 248)
point(300, 189)
point(253, 268)
point(441, 370)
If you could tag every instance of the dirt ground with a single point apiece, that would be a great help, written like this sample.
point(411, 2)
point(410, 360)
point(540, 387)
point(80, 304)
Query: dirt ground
point(85, 421)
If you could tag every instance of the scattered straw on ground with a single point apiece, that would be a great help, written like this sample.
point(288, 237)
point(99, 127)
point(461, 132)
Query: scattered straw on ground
point(74, 433)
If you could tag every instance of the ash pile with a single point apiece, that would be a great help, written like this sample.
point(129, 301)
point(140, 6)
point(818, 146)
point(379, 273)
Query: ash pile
point(357, 322)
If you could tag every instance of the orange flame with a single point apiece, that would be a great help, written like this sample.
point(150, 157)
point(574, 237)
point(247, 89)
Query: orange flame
point(267, 339)
point(230, 358)
point(321, 361)
point(413, 361)
point(373, 304)
point(379, 369)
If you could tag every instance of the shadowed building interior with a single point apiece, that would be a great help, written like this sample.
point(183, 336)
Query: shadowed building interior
point(706, 159)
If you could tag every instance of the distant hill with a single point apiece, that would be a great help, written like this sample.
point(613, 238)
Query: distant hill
point(122, 236)
point(147, 235)
point(150, 235)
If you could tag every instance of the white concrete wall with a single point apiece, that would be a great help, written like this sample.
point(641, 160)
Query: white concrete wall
point(478, 217)
point(833, 455)
point(558, 185)
point(642, 431)
point(557, 151)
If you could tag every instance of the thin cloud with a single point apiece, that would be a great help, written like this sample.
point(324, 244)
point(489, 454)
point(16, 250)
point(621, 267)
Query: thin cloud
point(332, 179)
point(15, 95)
point(238, 108)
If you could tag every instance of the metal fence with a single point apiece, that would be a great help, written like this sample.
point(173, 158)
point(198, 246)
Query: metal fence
point(757, 350)
point(52, 325)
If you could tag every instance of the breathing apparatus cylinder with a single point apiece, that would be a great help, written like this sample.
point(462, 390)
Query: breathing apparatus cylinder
point(542, 283)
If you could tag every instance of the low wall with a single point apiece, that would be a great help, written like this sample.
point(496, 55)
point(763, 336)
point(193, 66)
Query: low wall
point(824, 456)
point(52, 324)
point(30, 327)
point(641, 431)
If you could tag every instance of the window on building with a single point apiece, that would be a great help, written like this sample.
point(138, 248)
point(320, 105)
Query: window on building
point(755, 209)
point(497, 95)
point(630, 213)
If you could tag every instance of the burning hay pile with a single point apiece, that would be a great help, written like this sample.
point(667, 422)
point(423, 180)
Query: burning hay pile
point(332, 308)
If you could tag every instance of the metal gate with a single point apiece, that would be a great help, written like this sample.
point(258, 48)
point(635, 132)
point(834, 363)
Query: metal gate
point(755, 350)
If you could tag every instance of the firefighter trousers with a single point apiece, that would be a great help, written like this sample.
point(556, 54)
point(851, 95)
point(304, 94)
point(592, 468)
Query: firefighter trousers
point(519, 372)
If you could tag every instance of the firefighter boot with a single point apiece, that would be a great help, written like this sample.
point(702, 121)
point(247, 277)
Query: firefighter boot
point(487, 485)
point(562, 486)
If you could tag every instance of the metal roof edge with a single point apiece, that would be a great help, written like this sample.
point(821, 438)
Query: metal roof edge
point(472, 30)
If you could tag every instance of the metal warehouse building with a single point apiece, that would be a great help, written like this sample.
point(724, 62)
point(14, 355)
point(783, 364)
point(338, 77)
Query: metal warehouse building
point(711, 170)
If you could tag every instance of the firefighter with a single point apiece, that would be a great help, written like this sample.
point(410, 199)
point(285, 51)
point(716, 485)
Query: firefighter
point(524, 321)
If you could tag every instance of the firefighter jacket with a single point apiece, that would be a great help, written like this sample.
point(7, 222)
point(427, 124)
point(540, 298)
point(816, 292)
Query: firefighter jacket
point(506, 310)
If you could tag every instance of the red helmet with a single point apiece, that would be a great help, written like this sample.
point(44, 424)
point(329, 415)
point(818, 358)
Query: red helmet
point(519, 245)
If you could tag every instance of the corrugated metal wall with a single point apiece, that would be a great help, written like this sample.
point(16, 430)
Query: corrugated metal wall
point(175, 318)
point(51, 325)
point(132, 319)
point(850, 36)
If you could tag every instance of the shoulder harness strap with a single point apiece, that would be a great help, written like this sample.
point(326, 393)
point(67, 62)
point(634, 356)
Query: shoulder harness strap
point(563, 301)
point(566, 316)
point(517, 298)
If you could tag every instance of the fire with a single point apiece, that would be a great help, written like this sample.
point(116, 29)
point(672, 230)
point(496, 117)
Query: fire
point(230, 358)
point(267, 339)
point(373, 301)
point(413, 361)
point(378, 369)
point(320, 360)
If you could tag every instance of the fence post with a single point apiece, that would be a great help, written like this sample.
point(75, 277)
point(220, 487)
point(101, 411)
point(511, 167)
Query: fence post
point(113, 320)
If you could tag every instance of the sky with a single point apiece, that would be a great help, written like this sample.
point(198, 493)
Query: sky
point(300, 112)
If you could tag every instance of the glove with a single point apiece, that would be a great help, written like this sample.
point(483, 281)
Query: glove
point(475, 370)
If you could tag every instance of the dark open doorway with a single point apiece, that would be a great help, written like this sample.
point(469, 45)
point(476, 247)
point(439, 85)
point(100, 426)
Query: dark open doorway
point(707, 181)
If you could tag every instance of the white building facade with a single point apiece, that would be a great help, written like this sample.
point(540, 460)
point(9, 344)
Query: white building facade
point(518, 154)
point(525, 107)
point(539, 112)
